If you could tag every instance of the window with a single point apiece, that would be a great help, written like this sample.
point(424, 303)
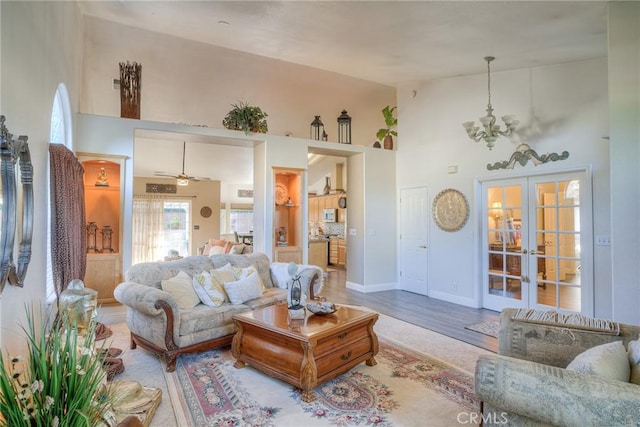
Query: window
point(234, 219)
point(60, 133)
point(160, 228)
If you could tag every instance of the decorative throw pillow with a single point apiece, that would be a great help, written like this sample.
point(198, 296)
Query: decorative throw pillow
point(241, 273)
point(237, 249)
point(181, 289)
point(608, 361)
point(223, 274)
point(634, 361)
point(209, 291)
point(216, 250)
point(244, 289)
point(217, 242)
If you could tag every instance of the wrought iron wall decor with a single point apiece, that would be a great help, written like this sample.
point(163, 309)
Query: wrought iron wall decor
point(523, 154)
point(161, 188)
point(15, 151)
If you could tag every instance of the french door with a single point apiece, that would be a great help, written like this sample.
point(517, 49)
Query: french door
point(537, 241)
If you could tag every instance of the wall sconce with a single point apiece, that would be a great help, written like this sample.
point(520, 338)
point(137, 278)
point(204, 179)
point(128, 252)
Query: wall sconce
point(344, 128)
point(317, 129)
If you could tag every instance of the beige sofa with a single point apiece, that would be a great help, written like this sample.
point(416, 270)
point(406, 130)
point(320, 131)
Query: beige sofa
point(527, 384)
point(160, 326)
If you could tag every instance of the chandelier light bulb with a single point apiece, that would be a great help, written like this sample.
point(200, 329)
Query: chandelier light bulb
point(491, 131)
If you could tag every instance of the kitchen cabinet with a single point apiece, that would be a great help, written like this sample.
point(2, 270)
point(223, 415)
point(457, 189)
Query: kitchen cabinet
point(319, 203)
point(318, 253)
point(338, 251)
point(314, 213)
point(342, 252)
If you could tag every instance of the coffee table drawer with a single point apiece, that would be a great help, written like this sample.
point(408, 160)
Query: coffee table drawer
point(334, 342)
point(344, 356)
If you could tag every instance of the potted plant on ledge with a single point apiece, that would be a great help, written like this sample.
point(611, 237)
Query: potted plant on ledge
point(385, 134)
point(246, 118)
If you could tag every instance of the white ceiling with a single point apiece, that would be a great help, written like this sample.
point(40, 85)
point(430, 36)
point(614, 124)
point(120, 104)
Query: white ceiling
point(388, 42)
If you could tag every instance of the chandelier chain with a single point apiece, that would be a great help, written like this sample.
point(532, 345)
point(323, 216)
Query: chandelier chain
point(489, 81)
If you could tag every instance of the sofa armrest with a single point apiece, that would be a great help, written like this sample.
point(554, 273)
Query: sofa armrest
point(144, 298)
point(554, 395)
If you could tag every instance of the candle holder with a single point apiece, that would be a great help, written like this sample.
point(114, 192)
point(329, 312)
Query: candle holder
point(107, 231)
point(91, 238)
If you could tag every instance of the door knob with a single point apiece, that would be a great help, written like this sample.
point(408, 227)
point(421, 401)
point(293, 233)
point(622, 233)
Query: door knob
point(532, 252)
point(423, 246)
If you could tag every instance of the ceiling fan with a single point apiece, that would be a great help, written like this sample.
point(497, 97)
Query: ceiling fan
point(182, 178)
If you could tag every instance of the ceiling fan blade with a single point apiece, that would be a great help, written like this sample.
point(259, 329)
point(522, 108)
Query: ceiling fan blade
point(200, 178)
point(164, 174)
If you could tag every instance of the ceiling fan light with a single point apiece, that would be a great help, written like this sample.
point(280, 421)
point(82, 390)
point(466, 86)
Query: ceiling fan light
point(182, 182)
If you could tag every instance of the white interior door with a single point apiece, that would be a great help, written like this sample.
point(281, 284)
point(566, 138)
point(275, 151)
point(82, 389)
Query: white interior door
point(504, 261)
point(536, 239)
point(414, 226)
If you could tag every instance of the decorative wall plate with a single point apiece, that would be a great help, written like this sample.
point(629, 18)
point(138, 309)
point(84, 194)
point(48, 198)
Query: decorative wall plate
point(282, 195)
point(205, 212)
point(450, 210)
point(342, 202)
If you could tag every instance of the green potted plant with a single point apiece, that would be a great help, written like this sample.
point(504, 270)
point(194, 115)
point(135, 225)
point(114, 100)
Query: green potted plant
point(59, 382)
point(385, 134)
point(246, 118)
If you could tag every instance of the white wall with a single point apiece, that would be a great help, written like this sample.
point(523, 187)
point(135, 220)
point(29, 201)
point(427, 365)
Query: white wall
point(188, 82)
point(41, 48)
point(561, 107)
point(624, 90)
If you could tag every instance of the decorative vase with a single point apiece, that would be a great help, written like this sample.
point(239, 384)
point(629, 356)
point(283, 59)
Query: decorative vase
point(327, 186)
point(388, 142)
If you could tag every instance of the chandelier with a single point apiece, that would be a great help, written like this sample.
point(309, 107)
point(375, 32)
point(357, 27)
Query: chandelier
point(491, 130)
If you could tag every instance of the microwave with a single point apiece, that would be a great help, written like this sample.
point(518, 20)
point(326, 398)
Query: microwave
point(329, 215)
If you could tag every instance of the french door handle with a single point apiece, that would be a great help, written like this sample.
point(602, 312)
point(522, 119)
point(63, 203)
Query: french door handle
point(524, 251)
point(423, 246)
point(533, 252)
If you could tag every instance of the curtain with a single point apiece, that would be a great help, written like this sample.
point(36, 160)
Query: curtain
point(147, 228)
point(68, 230)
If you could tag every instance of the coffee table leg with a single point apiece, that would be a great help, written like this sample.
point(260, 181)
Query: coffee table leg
point(374, 345)
point(235, 346)
point(308, 373)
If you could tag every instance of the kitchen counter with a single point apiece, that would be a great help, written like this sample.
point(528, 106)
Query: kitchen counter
point(318, 253)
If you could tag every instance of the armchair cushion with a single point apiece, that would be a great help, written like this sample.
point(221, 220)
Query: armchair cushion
point(606, 361)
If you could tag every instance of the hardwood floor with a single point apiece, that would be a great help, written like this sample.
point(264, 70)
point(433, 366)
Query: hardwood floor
point(439, 316)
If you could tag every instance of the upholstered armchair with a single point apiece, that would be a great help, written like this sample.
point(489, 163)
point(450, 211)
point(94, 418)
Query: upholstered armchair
point(527, 383)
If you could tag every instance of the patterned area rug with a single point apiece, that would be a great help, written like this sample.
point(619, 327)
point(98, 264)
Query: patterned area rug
point(405, 388)
point(489, 327)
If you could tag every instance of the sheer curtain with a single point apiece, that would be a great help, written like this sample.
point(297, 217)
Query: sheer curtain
point(147, 228)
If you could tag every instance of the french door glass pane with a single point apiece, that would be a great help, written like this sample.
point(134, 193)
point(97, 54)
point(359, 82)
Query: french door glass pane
point(504, 216)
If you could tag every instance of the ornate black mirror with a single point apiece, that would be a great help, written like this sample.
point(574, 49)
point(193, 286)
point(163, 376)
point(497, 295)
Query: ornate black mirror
point(14, 157)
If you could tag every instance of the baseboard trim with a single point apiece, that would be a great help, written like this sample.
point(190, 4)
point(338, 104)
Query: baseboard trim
point(371, 288)
point(468, 302)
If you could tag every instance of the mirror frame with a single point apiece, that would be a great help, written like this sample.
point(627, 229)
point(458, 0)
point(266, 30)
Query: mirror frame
point(21, 151)
point(14, 151)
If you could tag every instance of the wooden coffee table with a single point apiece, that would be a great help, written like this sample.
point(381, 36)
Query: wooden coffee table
point(305, 352)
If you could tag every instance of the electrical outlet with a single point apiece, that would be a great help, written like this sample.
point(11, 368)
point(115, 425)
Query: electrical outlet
point(454, 285)
point(352, 232)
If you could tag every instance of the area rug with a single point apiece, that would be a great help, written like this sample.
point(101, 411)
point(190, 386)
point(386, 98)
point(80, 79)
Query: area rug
point(489, 327)
point(405, 388)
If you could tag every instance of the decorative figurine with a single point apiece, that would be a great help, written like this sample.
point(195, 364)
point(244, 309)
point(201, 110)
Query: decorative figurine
point(295, 297)
point(80, 304)
point(102, 181)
